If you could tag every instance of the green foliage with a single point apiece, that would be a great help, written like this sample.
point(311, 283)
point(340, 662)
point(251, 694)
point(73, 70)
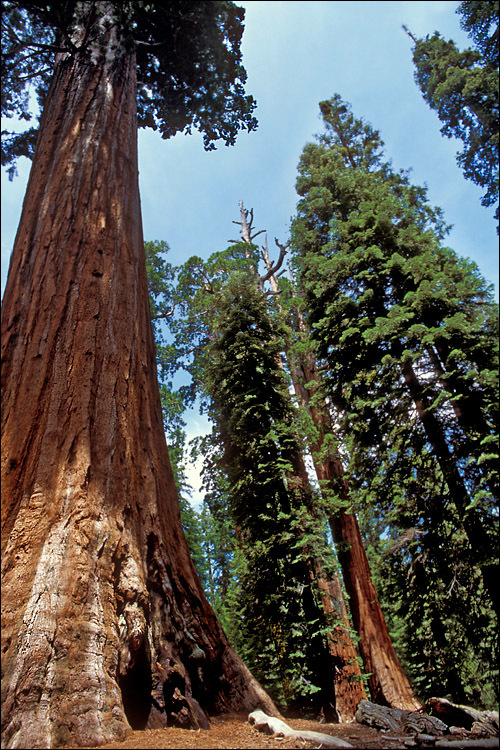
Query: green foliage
point(194, 526)
point(406, 334)
point(161, 275)
point(426, 576)
point(477, 18)
point(280, 623)
point(189, 68)
point(260, 541)
point(463, 88)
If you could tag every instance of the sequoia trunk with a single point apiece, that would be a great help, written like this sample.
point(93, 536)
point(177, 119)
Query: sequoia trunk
point(348, 688)
point(387, 681)
point(105, 625)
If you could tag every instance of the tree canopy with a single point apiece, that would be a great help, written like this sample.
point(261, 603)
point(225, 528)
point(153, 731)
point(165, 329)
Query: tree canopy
point(405, 331)
point(189, 67)
point(462, 86)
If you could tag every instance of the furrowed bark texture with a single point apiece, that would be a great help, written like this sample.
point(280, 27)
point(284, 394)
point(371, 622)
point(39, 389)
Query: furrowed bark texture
point(387, 682)
point(105, 625)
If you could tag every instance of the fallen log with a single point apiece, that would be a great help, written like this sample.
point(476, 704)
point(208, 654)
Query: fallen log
point(270, 725)
point(420, 741)
point(399, 720)
point(478, 722)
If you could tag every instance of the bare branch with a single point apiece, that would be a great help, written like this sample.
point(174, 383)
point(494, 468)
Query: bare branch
point(34, 75)
point(245, 225)
point(409, 535)
point(257, 234)
point(272, 268)
point(38, 46)
point(164, 315)
point(149, 44)
point(407, 30)
point(23, 58)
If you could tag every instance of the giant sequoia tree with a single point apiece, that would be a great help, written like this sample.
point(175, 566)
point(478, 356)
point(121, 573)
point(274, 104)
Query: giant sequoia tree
point(405, 332)
point(105, 624)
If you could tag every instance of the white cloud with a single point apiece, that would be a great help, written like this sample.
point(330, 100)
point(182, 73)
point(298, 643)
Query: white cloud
point(197, 426)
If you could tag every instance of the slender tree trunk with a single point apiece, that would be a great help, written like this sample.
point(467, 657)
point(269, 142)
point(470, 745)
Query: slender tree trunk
point(484, 544)
point(387, 681)
point(343, 697)
point(103, 613)
point(348, 682)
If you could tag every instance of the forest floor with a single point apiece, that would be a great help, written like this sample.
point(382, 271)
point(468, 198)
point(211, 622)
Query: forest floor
point(233, 732)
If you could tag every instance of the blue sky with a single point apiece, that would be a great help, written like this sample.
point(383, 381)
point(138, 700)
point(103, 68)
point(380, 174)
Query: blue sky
point(297, 54)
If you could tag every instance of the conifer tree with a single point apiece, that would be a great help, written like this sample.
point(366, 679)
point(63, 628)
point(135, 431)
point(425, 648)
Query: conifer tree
point(349, 690)
point(386, 678)
point(462, 86)
point(97, 581)
point(200, 288)
point(286, 626)
point(404, 329)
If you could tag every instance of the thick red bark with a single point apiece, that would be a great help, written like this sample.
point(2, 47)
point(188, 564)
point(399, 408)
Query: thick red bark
point(103, 613)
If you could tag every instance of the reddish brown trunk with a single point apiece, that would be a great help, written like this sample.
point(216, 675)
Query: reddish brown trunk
point(387, 681)
point(348, 685)
point(103, 613)
point(348, 682)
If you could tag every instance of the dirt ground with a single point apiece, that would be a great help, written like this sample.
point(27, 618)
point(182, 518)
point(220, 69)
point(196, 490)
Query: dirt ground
point(234, 732)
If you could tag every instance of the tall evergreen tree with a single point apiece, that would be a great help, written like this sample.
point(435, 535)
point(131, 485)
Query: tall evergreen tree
point(349, 690)
point(462, 86)
point(387, 680)
point(286, 626)
point(202, 285)
point(97, 582)
point(404, 328)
